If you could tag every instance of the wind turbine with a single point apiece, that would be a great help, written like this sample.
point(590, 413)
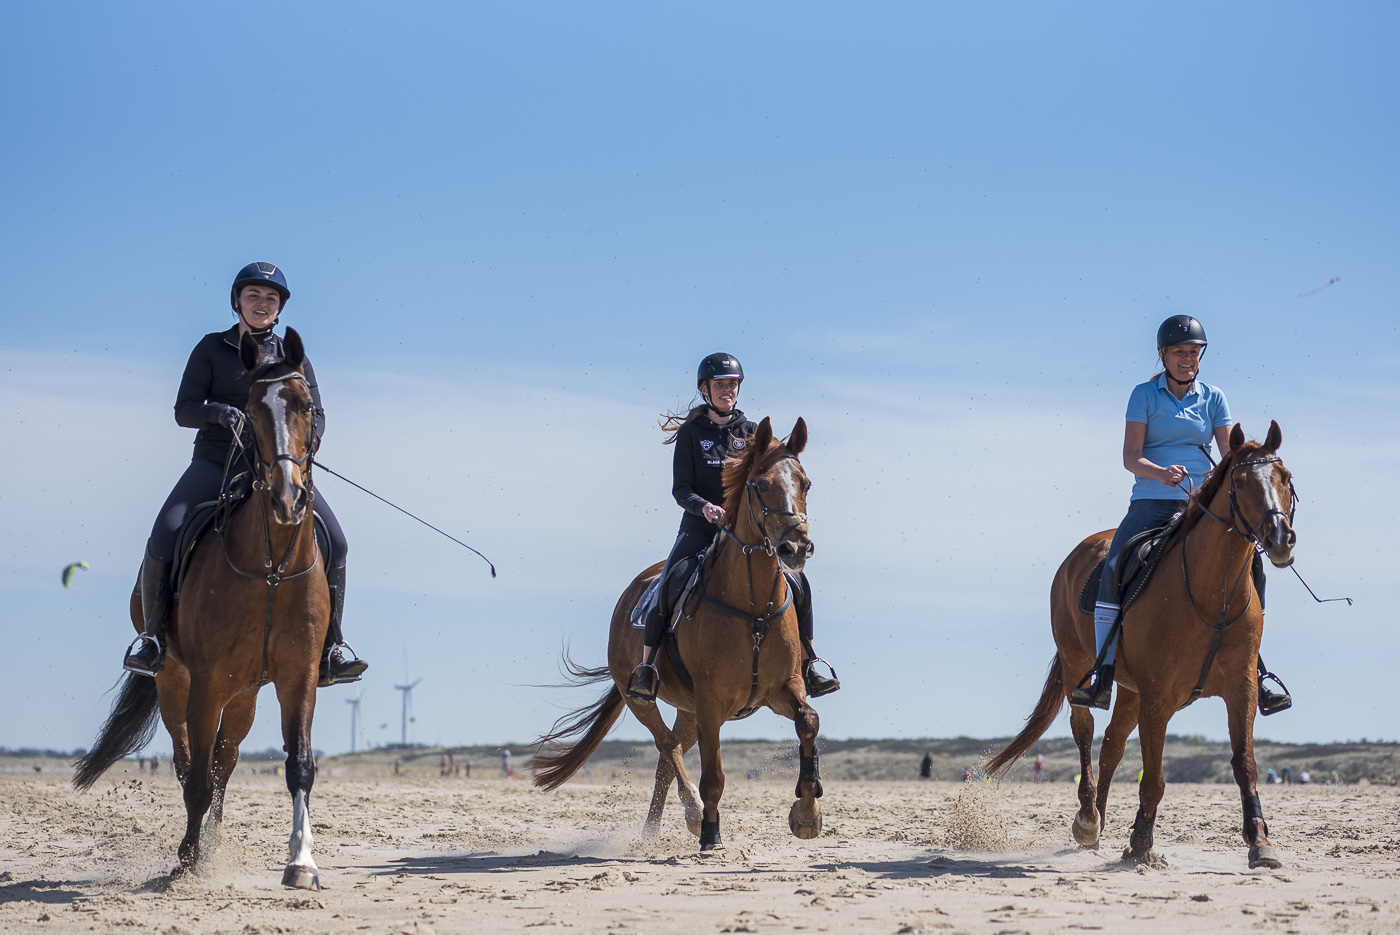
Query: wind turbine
point(354, 704)
point(407, 703)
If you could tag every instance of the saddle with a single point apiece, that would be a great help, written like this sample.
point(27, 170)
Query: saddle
point(1136, 563)
point(202, 518)
point(672, 592)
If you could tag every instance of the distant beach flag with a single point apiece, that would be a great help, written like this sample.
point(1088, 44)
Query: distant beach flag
point(1304, 295)
point(70, 570)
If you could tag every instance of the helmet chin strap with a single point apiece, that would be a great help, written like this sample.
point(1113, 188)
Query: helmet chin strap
point(259, 332)
point(1182, 382)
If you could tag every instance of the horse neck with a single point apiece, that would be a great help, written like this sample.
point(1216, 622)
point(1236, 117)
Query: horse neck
point(249, 546)
point(732, 568)
point(1216, 557)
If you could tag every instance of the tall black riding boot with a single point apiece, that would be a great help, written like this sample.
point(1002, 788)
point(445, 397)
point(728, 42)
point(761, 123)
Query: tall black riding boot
point(335, 668)
point(817, 684)
point(146, 654)
point(1270, 701)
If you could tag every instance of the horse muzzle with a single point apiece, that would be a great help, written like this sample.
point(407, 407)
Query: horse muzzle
point(290, 504)
point(794, 552)
point(1278, 541)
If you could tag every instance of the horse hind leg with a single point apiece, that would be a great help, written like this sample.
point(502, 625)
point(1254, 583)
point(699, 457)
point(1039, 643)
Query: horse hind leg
point(666, 748)
point(1086, 820)
point(1115, 740)
point(233, 727)
point(1152, 734)
point(684, 729)
point(1240, 711)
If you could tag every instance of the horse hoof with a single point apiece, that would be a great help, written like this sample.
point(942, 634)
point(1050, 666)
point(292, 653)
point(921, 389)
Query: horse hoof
point(1263, 855)
point(1086, 833)
point(692, 821)
point(1148, 858)
point(805, 825)
point(301, 878)
point(715, 845)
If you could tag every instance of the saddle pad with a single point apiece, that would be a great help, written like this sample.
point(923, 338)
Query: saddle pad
point(1136, 563)
point(643, 605)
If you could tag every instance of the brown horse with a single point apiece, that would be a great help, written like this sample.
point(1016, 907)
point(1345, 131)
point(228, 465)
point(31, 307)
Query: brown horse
point(253, 609)
point(1194, 630)
point(739, 642)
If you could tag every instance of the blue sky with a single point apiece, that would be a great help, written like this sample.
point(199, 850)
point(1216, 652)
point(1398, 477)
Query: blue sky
point(944, 235)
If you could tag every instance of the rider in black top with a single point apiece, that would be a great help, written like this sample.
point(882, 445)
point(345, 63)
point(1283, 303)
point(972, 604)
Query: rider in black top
point(212, 391)
point(704, 437)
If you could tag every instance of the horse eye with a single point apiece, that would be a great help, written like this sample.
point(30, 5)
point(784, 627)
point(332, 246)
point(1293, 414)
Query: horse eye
point(761, 486)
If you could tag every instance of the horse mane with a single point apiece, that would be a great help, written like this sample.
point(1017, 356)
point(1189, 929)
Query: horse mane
point(738, 468)
point(1199, 502)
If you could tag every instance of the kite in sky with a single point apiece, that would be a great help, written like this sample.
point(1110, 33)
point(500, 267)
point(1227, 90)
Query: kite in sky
point(1304, 295)
point(70, 570)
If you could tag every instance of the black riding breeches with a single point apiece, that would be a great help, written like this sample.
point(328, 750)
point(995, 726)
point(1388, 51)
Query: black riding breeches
point(199, 484)
point(689, 542)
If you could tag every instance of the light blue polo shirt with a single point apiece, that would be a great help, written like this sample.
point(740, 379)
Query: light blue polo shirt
point(1174, 428)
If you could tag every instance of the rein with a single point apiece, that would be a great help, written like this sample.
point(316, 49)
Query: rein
point(759, 622)
point(273, 575)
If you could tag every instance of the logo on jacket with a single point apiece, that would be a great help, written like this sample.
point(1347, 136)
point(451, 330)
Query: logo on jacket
point(706, 443)
point(737, 444)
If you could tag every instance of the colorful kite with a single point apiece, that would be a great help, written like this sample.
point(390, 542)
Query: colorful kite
point(70, 570)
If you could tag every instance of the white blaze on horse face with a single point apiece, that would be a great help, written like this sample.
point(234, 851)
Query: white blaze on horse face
point(281, 431)
point(299, 847)
point(789, 482)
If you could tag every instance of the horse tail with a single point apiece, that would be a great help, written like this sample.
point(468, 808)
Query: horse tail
point(128, 729)
point(1052, 697)
point(554, 768)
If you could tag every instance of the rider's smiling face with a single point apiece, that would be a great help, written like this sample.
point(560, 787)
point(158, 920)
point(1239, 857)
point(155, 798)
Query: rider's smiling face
point(723, 393)
point(1182, 361)
point(259, 305)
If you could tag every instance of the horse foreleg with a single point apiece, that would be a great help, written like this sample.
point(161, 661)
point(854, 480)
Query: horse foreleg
point(1152, 734)
point(1240, 708)
point(684, 729)
point(233, 727)
point(1115, 739)
point(202, 722)
point(805, 815)
point(298, 704)
point(711, 778)
point(1086, 820)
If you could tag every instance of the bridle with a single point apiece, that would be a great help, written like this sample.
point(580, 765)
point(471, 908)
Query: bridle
point(1238, 525)
point(767, 545)
point(262, 474)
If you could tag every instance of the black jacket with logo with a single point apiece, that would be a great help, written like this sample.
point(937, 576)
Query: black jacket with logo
point(698, 466)
point(215, 374)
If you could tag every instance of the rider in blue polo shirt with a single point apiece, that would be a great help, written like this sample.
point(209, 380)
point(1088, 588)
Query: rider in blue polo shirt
point(1171, 421)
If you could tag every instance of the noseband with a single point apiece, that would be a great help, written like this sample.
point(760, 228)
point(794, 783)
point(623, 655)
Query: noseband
point(767, 545)
point(1237, 521)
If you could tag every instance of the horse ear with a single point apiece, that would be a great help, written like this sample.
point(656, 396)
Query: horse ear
point(798, 439)
point(292, 350)
point(248, 352)
point(1236, 436)
point(763, 437)
point(1274, 438)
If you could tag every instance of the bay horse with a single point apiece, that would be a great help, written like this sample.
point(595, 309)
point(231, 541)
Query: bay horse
point(1189, 633)
point(253, 609)
point(739, 642)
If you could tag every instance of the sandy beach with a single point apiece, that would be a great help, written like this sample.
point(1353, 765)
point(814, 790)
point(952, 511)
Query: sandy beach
point(420, 854)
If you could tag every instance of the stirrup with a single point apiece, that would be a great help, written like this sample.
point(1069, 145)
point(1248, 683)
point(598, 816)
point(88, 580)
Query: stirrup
point(1098, 693)
point(155, 667)
point(818, 685)
point(643, 692)
point(1272, 702)
point(349, 670)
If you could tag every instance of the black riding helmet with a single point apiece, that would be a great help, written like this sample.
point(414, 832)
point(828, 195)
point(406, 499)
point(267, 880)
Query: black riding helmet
point(719, 366)
point(264, 274)
point(1180, 329)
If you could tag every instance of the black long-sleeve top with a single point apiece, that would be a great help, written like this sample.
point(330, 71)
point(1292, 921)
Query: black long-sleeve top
point(215, 374)
point(697, 468)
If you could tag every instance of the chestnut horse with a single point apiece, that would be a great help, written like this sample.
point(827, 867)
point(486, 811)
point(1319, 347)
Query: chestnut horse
point(253, 609)
point(1194, 630)
point(739, 642)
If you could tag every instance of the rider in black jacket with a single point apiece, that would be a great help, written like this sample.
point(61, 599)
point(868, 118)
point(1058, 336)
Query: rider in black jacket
point(212, 393)
point(704, 437)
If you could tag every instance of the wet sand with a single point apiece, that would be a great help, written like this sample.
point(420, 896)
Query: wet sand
point(421, 854)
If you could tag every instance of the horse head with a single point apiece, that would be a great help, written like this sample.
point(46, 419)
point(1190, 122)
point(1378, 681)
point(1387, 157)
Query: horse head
point(766, 495)
point(1262, 498)
point(283, 418)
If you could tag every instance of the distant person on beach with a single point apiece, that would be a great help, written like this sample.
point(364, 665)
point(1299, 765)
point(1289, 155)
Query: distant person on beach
point(1039, 767)
point(926, 766)
point(1171, 420)
point(1286, 776)
point(155, 763)
point(505, 764)
point(704, 437)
